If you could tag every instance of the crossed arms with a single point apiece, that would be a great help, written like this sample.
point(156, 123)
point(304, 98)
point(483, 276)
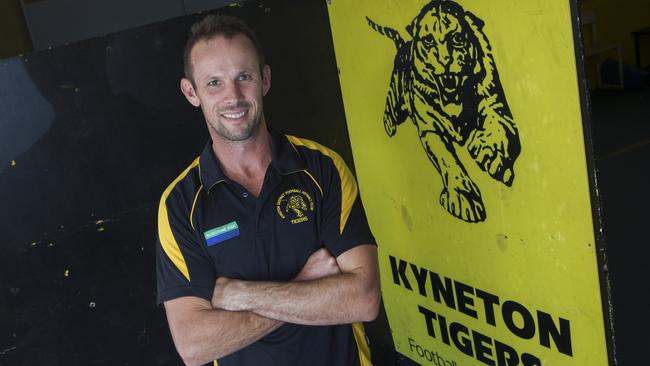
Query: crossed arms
point(327, 291)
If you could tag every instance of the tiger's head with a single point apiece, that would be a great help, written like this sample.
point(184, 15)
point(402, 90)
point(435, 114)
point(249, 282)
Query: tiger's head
point(447, 52)
point(297, 205)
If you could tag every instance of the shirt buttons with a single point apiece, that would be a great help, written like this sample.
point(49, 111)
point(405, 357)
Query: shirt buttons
point(245, 194)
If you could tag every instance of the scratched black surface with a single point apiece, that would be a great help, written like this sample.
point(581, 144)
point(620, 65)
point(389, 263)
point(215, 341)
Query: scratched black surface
point(90, 135)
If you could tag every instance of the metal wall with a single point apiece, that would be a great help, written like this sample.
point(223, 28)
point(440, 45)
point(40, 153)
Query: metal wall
point(56, 22)
point(90, 135)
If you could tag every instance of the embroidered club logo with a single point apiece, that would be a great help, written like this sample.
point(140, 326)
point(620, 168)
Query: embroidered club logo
point(293, 206)
point(221, 233)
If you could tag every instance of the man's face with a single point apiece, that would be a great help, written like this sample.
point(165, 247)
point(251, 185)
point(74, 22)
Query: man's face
point(228, 86)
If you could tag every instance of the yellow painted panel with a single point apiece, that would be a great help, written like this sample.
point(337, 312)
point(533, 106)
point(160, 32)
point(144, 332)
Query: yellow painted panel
point(466, 131)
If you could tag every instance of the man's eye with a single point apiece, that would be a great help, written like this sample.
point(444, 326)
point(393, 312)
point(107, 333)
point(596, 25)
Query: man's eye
point(244, 77)
point(214, 83)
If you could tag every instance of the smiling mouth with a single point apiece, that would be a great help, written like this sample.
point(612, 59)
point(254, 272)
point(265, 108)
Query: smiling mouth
point(234, 115)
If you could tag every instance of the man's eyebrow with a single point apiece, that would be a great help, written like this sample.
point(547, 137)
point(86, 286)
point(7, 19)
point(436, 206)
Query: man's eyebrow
point(209, 77)
point(247, 69)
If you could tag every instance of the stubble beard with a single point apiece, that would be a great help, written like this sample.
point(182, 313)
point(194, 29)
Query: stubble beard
point(239, 134)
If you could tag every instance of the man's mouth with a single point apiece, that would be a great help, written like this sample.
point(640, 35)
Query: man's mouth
point(234, 115)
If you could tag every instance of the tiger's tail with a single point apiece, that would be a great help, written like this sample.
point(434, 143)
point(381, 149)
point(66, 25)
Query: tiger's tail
point(387, 31)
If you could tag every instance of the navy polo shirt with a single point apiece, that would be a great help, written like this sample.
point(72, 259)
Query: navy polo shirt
point(209, 226)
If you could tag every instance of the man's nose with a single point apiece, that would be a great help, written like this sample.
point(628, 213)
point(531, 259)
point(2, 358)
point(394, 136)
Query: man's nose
point(233, 93)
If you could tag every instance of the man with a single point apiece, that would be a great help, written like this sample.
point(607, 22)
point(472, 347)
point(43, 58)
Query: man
point(264, 255)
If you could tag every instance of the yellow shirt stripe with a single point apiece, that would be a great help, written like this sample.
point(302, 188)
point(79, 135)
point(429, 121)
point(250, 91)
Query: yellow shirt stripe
point(315, 181)
point(194, 204)
point(349, 188)
point(362, 344)
point(167, 239)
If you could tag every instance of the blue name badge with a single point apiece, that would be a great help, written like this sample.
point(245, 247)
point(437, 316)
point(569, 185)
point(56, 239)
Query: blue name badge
point(221, 233)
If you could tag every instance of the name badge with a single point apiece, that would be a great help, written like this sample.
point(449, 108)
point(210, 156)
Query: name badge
point(221, 233)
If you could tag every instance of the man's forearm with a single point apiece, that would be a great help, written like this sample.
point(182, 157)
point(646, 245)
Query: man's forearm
point(337, 299)
point(204, 334)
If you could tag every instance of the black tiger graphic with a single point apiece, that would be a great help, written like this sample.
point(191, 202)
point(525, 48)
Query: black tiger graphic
point(446, 81)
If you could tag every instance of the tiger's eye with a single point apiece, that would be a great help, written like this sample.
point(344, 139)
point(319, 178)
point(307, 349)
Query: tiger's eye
point(428, 40)
point(458, 40)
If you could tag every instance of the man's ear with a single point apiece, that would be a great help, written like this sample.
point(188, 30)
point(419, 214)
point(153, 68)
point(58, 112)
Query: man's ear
point(188, 91)
point(266, 79)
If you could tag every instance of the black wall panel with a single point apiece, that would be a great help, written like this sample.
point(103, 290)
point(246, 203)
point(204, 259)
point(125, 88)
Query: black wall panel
point(90, 135)
point(57, 22)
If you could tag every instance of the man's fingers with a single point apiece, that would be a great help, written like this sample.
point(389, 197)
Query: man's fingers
point(319, 254)
point(319, 264)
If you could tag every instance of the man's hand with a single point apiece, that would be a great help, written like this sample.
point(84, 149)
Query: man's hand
point(320, 264)
point(326, 291)
point(228, 293)
point(224, 296)
point(202, 334)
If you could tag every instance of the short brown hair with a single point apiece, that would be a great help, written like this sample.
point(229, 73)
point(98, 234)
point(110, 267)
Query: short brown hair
point(214, 25)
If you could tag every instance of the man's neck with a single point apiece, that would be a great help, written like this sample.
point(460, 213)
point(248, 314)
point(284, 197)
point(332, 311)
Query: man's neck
point(245, 162)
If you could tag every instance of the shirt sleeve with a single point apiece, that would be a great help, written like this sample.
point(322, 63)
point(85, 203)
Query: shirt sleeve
point(344, 224)
point(183, 266)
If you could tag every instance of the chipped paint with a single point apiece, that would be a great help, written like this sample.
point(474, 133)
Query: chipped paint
point(406, 217)
point(101, 229)
point(13, 163)
point(502, 242)
point(66, 273)
point(92, 305)
point(7, 350)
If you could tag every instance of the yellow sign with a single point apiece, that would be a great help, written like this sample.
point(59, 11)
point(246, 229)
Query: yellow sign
point(467, 136)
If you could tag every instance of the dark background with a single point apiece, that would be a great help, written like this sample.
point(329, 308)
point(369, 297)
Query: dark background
point(90, 135)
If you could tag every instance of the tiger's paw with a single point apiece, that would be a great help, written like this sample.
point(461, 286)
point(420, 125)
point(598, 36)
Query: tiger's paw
point(462, 199)
point(389, 126)
point(491, 149)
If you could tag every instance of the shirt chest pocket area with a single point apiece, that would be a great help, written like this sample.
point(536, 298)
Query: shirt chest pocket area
point(234, 255)
point(288, 246)
point(276, 251)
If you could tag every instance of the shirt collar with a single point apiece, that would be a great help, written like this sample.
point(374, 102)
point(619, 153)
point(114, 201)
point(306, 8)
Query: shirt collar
point(209, 168)
point(285, 156)
point(285, 160)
